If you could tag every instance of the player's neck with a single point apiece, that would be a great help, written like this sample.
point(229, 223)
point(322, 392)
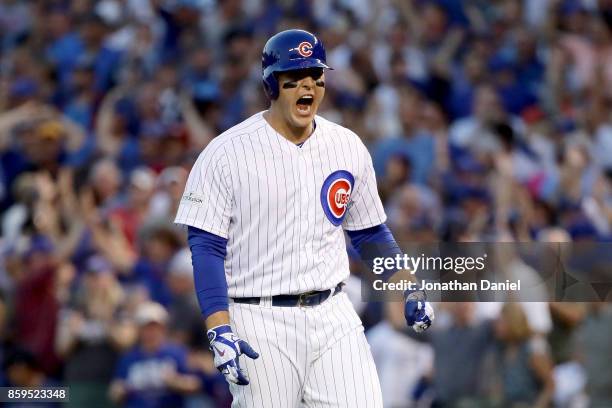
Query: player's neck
point(295, 135)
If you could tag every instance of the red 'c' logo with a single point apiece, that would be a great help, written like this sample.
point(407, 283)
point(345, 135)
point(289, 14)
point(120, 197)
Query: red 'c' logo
point(305, 49)
point(338, 196)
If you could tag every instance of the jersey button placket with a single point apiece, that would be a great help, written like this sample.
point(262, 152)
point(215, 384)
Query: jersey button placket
point(304, 201)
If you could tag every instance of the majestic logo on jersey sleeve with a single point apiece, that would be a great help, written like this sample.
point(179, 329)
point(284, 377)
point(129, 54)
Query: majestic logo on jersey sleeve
point(336, 195)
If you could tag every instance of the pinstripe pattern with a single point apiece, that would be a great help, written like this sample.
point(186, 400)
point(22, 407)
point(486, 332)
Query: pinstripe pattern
point(322, 359)
point(262, 192)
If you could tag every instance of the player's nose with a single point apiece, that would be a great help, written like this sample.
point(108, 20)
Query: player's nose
point(308, 82)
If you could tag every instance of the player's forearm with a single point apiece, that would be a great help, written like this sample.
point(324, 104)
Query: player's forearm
point(379, 242)
point(217, 319)
point(208, 253)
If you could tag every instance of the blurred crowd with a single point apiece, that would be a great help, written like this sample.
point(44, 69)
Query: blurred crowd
point(487, 120)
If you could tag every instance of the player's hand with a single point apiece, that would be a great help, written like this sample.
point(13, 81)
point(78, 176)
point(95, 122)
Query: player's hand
point(227, 347)
point(418, 312)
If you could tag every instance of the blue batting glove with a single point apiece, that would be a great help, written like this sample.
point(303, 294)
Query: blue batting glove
point(227, 347)
point(418, 312)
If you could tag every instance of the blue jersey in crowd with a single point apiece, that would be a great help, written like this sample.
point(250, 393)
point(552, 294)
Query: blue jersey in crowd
point(143, 374)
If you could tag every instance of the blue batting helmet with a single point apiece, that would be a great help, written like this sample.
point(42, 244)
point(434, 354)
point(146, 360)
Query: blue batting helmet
point(287, 51)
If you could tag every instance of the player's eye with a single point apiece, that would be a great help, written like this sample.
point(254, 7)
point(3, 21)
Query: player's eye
point(298, 75)
point(290, 84)
point(320, 83)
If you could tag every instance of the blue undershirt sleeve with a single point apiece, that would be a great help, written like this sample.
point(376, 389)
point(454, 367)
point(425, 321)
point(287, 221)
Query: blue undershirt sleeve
point(208, 253)
point(375, 242)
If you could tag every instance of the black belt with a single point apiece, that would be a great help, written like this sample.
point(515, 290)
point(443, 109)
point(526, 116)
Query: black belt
point(313, 298)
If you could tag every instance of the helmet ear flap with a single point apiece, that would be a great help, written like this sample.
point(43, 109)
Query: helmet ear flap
point(271, 86)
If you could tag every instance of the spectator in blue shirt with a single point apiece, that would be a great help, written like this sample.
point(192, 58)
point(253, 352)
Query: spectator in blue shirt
point(415, 143)
point(154, 373)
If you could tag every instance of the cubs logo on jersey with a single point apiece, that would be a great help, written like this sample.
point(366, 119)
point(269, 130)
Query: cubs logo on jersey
point(336, 195)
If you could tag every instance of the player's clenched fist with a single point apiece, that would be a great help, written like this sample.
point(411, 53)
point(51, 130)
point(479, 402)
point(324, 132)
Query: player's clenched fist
point(418, 312)
point(227, 347)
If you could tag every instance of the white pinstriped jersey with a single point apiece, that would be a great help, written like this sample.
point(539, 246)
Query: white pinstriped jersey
point(282, 207)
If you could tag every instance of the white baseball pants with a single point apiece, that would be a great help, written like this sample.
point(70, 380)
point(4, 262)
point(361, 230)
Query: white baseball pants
point(308, 357)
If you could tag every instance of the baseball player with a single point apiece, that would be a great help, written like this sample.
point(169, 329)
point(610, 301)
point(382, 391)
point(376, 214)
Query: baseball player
point(266, 204)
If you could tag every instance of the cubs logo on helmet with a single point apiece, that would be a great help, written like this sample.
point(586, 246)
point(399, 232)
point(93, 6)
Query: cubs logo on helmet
point(305, 49)
point(336, 195)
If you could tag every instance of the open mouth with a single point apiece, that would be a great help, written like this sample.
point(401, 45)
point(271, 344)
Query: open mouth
point(304, 104)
